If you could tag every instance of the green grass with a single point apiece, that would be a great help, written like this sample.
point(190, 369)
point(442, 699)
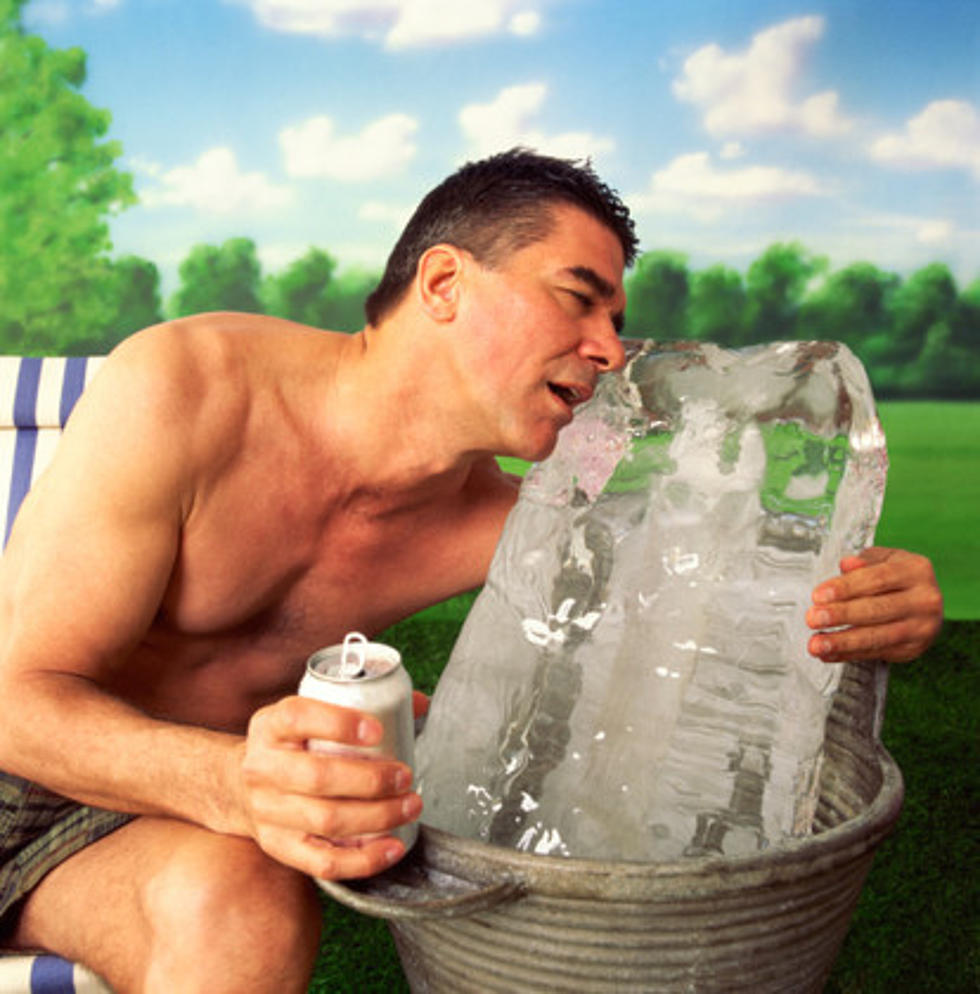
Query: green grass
point(931, 499)
point(917, 927)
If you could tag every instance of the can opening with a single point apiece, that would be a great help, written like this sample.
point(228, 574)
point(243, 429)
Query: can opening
point(352, 656)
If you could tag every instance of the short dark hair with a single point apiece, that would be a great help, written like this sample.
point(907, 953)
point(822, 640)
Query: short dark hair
point(494, 207)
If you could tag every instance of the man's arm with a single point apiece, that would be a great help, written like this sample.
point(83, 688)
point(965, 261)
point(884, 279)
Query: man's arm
point(886, 603)
point(88, 563)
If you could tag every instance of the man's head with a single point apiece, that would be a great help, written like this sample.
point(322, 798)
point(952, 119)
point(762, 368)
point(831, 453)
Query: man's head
point(495, 207)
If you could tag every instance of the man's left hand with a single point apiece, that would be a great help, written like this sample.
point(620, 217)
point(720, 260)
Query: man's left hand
point(886, 603)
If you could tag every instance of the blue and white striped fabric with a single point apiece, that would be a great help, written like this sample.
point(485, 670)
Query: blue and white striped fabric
point(36, 397)
point(45, 974)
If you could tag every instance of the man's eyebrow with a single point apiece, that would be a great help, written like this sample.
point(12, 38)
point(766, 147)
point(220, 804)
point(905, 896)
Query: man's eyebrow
point(587, 274)
point(601, 285)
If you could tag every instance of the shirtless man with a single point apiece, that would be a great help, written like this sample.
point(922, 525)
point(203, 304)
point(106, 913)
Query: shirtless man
point(269, 487)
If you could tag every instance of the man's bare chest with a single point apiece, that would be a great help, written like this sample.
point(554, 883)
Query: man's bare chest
point(283, 583)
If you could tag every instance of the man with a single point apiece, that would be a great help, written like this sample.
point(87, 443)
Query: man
point(234, 492)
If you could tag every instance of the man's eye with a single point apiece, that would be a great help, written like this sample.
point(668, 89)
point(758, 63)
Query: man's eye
point(583, 298)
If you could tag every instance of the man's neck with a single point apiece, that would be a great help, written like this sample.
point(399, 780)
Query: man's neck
point(395, 418)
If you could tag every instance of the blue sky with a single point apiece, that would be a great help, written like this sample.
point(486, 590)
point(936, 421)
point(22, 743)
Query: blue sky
point(850, 125)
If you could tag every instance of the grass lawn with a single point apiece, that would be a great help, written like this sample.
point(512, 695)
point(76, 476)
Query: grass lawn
point(931, 502)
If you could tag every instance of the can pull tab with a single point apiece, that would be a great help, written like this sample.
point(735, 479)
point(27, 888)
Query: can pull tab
point(352, 656)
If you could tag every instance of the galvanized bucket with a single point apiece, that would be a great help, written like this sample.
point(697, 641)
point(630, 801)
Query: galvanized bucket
point(470, 917)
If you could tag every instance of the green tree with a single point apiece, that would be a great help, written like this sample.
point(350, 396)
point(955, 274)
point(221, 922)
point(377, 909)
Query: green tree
point(927, 298)
point(58, 185)
point(944, 368)
point(345, 300)
point(775, 287)
point(656, 296)
point(299, 292)
point(716, 308)
point(850, 307)
point(219, 278)
point(966, 319)
point(135, 293)
point(311, 291)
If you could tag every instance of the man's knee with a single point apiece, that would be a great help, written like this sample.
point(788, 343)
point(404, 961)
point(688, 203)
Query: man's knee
point(224, 900)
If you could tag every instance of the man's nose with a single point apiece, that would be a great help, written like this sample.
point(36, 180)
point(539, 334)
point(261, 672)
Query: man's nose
point(605, 349)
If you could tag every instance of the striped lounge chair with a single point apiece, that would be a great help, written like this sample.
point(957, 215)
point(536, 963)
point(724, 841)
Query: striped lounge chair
point(36, 397)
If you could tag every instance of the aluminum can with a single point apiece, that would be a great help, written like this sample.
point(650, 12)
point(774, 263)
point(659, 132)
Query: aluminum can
point(368, 676)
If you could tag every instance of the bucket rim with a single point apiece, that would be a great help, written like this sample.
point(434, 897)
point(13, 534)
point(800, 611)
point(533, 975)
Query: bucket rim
point(482, 862)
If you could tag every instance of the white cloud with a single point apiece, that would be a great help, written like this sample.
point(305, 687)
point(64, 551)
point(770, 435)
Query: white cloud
point(213, 184)
point(691, 184)
point(507, 121)
point(944, 135)
point(397, 23)
point(275, 256)
point(392, 215)
point(732, 150)
point(751, 92)
point(932, 231)
point(382, 148)
point(525, 23)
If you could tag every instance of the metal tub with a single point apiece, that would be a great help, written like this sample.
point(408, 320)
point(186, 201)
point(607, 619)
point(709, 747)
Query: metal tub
point(470, 917)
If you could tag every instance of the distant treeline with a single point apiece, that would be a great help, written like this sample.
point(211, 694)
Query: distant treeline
point(62, 291)
point(918, 336)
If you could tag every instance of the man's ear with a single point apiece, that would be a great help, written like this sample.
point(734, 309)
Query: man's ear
point(437, 281)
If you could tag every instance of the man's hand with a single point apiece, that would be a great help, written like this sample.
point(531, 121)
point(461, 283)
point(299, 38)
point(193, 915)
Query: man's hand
point(886, 603)
point(306, 809)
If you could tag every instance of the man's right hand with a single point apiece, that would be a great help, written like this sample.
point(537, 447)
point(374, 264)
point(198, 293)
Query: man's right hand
point(307, 809)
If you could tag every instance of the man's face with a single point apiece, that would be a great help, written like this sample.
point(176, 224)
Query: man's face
point(542, 326)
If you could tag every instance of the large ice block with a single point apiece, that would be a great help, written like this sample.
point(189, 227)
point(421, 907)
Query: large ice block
point(633, 681)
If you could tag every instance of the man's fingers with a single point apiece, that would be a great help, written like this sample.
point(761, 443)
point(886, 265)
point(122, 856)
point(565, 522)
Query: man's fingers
point(865, 581)
point(892, 643)
point(318, 774)
point(864, 611)
point(294, 720)
point(335, 819)
point(877, 571)
point(328, 861)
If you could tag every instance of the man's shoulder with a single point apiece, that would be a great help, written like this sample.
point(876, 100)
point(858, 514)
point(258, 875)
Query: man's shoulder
point(190, 351)
point(190, 378)
point(205, 362)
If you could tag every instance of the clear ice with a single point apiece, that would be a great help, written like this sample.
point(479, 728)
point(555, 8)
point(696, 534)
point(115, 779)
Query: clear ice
point(633, 682)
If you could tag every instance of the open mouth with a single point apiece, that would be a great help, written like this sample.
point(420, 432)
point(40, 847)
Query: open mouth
point(568, 395)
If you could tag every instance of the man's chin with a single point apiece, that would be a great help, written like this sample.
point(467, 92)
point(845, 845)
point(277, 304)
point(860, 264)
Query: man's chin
point(540, 452)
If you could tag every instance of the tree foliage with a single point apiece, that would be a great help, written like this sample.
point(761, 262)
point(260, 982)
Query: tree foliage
point(775, 286)
point(918, 337)
point(659, 286)
point(300, 291)
point(58, 185)
point(310, 290)
point(716, 307)
point(219, 278)
point(228, 277)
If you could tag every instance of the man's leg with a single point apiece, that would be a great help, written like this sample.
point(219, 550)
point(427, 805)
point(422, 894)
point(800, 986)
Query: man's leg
point(160, 906)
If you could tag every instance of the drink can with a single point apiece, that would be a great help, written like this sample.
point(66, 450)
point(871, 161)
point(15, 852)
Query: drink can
point(367, 676)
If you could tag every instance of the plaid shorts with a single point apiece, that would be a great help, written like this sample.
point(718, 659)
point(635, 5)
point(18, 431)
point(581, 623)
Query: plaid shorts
point(39, 830)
